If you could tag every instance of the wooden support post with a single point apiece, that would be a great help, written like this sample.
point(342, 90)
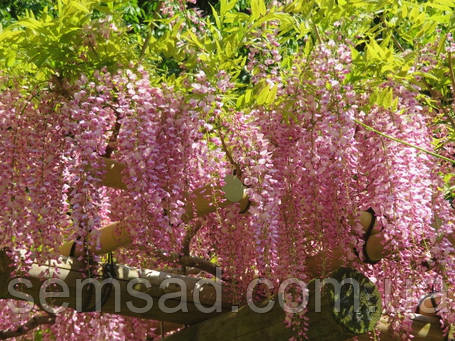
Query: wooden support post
point(319, 264)
point(325, 324)
point(111, 237)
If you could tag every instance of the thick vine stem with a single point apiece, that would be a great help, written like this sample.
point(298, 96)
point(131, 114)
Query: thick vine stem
point(111, 146)
point(199, 263)
point(328, 321)
point(71, 272)
point(191, 232)
point(188, 261)
point(229, 154)
point(31, 324)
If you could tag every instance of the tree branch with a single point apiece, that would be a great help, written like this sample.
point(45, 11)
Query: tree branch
point(33, 323)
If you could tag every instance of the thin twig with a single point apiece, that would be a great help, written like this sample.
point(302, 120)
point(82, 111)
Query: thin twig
point(31, 324)
point(318, 35)
point(395, 40)
point(367, 127)
point(452, 76)
point(146, 43)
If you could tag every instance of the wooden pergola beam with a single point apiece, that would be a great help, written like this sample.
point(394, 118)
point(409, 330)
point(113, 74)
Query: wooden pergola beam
point(112, 177)
point(71, 272)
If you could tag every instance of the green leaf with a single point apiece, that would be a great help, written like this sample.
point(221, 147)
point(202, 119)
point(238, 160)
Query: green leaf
point(272, 95)
point(294, 7)
point(373, 98)
point(226, 6)
point(195, 40)
point(11, 58)
point(240, 101)
point(404, 10)
point(308, 47)
point(248, 94)
point(387, 99)
point(80, 7)
point(441, 45)
point(258, 9)
point(263, 94)
point(216, 17)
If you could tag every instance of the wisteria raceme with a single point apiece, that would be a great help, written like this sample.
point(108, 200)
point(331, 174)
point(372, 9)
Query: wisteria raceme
point(32, 161)
point(89, 119)
point(97, 326)
point(165, 163)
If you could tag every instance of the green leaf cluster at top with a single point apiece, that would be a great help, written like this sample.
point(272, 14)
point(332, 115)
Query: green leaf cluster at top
point(66, 38)
point(64, 41)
